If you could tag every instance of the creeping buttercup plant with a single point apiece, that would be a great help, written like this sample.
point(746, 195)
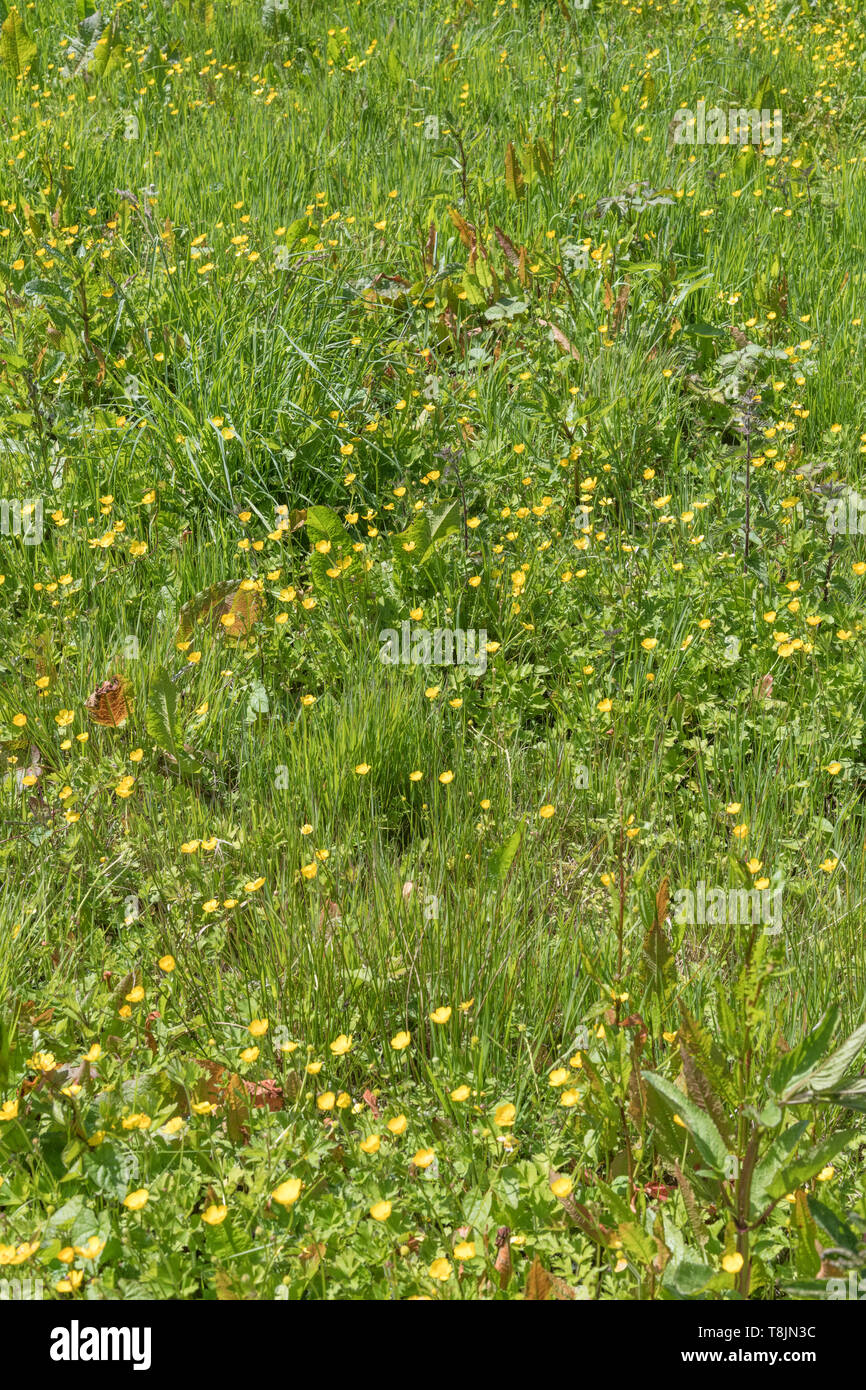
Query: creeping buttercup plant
point(528, 962)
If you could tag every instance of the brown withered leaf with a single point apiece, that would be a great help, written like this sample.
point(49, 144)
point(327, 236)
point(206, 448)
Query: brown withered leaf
point(110, 704)
point(538, 1283)
point(223, 598)
point(430, 249)
point(509, 250)
point(313, 1254)
point(466, 230)
point(265, 1093)
point(238, 613)
point(620, 307)
point(330, 913)
point(234, 1099)
point(563, 343)
point(663, 897)
point(502, 1263)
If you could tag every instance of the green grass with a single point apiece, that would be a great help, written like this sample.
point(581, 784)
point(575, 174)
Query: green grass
point(273, 281)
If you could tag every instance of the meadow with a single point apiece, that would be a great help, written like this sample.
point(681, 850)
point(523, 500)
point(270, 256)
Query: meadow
point(431, 676)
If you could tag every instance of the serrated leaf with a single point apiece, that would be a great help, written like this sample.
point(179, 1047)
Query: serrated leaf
point(707, 1054)
point(159, 717)
point(701, 1092)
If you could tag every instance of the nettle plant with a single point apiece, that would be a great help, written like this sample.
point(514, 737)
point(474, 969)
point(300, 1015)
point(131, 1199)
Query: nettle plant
point(710, 1127)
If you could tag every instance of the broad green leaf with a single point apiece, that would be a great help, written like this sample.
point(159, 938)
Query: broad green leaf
point(799, 1062)
point(689, 1276)
point(636, 1242)
point(802, 1169)
point(445, 523)
point(838, 1231)
point(411, 546)
point(708, 1141)
point(830, 1073)
point(545, 162)
point(17, 50)
point(513, 173)
point(506, 307)
point(616, 119)
point(324, 524)
point(501, 860)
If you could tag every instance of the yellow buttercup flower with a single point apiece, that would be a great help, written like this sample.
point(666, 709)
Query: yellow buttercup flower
point(214, 1215)
point(135, 1201)
point(288, 1192)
